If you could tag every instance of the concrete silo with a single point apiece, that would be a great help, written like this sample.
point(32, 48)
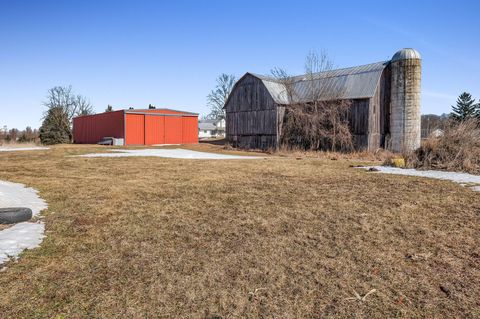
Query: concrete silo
point(405, 116)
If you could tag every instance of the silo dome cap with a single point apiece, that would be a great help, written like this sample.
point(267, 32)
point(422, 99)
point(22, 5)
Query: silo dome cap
point(405, 54)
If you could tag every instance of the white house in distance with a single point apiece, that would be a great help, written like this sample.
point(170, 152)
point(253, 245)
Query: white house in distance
point(211, 128)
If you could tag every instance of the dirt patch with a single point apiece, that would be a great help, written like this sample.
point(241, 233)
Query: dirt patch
point(2, 227)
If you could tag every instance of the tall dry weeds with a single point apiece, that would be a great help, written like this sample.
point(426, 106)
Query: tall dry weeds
point(458, 149)
point(319, 126)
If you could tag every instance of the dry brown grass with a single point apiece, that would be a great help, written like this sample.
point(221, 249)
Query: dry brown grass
point(12, 144)
point(270, 238)
point(219, 146)
point(457, 150)
point(379, 155)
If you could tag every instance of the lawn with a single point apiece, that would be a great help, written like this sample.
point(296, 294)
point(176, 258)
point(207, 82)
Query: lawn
point(270, 238)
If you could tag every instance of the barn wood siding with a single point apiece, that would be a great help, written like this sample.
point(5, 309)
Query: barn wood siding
point(374, 125)
point(358, 120)
point(385, 100)
point(251, 115)
point(379, 113)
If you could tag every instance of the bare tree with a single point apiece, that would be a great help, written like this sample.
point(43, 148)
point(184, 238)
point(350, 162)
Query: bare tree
point(288, 81)
point(314, 118)
point(28, 135)
point(3, 134)
point(62, 97)
point(62, 105)
point(73, 105)
point(315, 64)
point(13, 134)
point(83, 106)
point(218, 96)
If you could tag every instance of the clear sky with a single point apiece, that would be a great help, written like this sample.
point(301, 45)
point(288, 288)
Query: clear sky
point(168, 53)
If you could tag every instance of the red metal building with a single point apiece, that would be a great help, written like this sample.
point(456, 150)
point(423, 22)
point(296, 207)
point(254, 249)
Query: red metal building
point(138, 127)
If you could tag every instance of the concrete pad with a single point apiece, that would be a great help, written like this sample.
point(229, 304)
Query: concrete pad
point(168, 153)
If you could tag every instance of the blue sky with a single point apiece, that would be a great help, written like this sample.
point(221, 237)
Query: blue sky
point(132, 53)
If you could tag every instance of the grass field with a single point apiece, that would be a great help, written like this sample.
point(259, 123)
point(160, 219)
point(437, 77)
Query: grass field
point(271, 238)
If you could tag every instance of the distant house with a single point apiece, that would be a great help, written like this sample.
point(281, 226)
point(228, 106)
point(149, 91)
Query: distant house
point(211, 128)
point(437, 133)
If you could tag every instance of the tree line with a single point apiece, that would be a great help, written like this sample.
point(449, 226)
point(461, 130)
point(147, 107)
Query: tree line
point(13, 135)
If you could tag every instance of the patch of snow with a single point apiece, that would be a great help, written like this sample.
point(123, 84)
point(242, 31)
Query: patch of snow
point(14, 149)
point(21, 236)
point(462, 178)
point(168, 153)
point(26, 235)
point(17, 195)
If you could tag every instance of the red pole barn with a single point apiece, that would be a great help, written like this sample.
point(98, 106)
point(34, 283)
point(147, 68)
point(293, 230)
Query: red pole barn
point(138, 127)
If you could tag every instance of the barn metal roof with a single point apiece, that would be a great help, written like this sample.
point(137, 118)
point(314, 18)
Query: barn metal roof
point(349, 83)
point(209, 124)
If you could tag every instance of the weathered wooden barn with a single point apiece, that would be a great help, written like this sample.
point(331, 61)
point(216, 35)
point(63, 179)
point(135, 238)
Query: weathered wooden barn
point(384, 103)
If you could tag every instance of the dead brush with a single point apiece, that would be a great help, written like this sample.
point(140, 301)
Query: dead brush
point(458, 149)
point(380, 155)
point(361, 298)
point(418, 257)
point(253, 295)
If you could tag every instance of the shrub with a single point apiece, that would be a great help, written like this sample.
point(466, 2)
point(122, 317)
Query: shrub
point(458, 149)
point(320, 126)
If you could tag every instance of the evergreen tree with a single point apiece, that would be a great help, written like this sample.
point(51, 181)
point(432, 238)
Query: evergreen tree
point(55, 128)
point(109, 108)
point(465, 108)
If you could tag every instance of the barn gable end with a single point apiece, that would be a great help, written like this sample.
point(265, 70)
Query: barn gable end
point(251, 115)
